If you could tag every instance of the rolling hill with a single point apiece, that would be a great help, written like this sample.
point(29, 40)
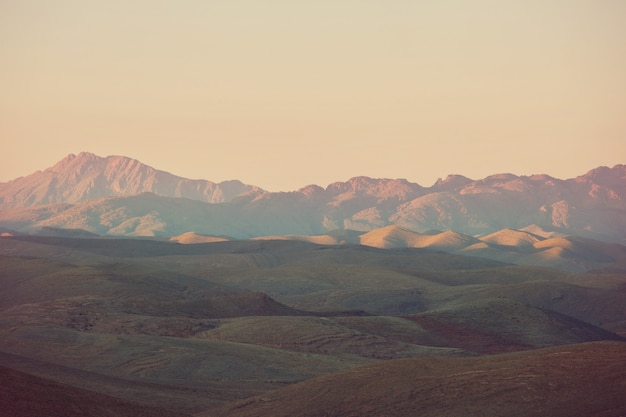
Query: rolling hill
point(195, 328)
point(24, 395)
point(581, 380)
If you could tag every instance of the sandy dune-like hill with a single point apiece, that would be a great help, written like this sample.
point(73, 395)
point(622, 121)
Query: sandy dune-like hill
point(510, 237)
point(398, 237)
point(319, 239)
point(190, 238)
point(507, 245)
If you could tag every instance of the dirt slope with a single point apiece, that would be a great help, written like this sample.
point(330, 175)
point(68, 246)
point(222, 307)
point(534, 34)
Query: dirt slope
point(24, 395)
point(568, 381)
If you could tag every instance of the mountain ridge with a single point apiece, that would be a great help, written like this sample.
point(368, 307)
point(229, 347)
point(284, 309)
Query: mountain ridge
point(121, 196)
point(86, 176)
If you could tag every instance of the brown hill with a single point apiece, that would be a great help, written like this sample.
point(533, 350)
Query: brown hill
point(589, 249)
point(23, 395)
point(569, 253)
point(517, 239)
point(507, 245)
point(583, 380)
point(188, 327)
point(399, 237)
point(327, 335)
point(95, 291)
point(190, 238)
point(317, 239)
point(503, 325)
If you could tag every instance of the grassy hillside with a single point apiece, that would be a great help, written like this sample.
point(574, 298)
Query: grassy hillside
point(568, 381)
point(196, 327)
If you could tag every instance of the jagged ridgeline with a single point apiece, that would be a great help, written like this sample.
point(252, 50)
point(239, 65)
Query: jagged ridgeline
point(122, 197)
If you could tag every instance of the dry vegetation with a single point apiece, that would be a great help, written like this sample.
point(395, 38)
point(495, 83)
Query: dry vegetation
point(572, 381)
point(237, 328)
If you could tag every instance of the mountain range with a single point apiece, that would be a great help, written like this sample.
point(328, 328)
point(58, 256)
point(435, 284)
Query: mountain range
point(128, 291)
point(120, 196)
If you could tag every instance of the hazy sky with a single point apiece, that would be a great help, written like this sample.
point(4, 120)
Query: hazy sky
point(282, 94)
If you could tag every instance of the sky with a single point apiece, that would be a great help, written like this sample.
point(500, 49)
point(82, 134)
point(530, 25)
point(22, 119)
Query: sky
point(286, 93)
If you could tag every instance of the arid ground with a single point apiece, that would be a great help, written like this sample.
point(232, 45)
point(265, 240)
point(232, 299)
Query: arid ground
point(121, 327)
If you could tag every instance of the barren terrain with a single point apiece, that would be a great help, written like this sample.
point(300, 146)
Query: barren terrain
point(233, 327)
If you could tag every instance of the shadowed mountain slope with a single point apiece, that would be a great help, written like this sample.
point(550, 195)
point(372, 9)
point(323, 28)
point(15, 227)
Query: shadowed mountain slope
point(568, 381)
point(501, 325)
point(23, 395)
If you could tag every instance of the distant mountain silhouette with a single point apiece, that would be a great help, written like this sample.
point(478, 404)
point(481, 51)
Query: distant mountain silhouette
point(120, 196)
point(86, 176)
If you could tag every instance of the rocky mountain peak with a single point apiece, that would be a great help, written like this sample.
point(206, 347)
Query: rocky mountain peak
point(87, 176)
point(381, 188)
point(605, 176)
point(450, 182)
